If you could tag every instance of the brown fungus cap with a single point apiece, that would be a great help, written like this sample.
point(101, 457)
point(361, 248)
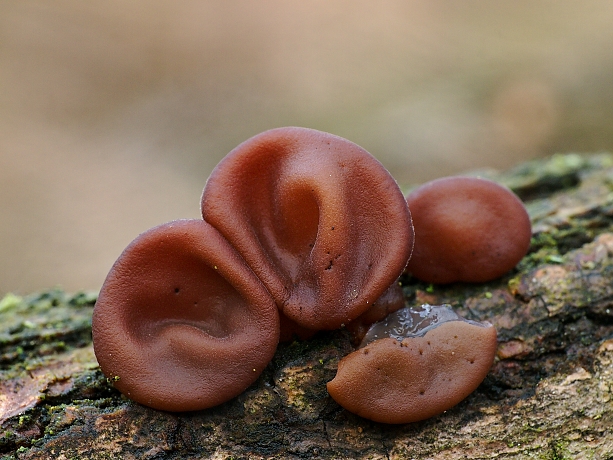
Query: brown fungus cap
point(466, 229)
point(318, 219)
point(394, 380)
point(181, 322)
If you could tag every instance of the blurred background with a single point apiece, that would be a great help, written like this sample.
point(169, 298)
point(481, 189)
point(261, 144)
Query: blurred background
point(113, 113)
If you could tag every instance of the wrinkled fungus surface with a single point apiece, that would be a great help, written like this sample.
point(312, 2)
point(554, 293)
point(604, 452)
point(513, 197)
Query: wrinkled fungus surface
point(466, 229)
point(319, 220)
point(181, 322)
point(402, 380)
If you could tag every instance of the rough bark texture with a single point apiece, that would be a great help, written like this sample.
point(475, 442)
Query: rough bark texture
point(548, 395)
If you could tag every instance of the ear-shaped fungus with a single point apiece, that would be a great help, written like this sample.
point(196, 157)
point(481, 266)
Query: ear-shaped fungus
point(420, 364)
point(318, 219)
point(181, 323)
point(466, 229)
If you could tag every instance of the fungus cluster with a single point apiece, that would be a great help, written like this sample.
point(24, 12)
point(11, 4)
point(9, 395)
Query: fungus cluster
point(303, 231)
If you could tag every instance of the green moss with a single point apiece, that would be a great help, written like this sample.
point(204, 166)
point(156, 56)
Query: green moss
point(41, 325)
point(551, 246)
point(24, 420)
point(10, 301)
point(558, 450)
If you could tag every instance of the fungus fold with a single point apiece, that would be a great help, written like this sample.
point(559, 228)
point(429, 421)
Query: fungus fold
point(466, 229)
point(414, 365)
point(305, 231)
point(181, 322)
point(318, 219)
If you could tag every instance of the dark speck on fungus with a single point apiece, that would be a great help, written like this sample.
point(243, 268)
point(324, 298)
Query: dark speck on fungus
point(466, 229)
point(418, 364)
point(306, 210)
point(181, 322)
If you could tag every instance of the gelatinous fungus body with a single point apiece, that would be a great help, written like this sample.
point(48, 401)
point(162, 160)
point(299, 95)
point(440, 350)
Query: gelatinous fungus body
point(318, 219)
point(466, 229)
point(181, 322)
point(427, 362)
point(390, 301)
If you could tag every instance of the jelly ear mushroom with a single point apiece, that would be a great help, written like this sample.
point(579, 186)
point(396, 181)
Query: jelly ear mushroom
point(401, 380)
point(318, 219)
point(181, 322)
point(466, 229)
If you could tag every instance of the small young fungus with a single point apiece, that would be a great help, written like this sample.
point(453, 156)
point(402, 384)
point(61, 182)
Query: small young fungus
point(466, 229)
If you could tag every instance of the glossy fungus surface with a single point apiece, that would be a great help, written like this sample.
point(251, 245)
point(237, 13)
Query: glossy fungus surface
point(390, 301)
point(317, 218)
point(402, 380)
point(181, 322)
point(412, 322)
point(466, 229)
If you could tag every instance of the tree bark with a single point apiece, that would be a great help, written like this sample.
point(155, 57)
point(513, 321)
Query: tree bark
point(548, 395)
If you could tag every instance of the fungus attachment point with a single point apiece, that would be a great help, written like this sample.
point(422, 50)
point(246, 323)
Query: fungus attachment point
point(466, 229)
point(291, 330)
point(181, 323)
point(429, 360)
point(390, 301)
point(318, 219)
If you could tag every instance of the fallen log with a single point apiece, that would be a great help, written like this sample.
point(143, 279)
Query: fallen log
point(548, 394)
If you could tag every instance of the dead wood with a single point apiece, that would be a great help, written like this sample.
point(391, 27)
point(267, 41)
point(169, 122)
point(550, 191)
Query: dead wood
point(548, 395)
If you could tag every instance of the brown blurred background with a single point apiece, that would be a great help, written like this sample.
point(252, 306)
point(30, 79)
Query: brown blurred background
point(113, 113)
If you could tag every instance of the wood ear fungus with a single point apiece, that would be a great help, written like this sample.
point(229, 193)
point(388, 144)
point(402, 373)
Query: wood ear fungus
point(420, 364)
point(181, 322)
point(466, 229)
point(318, 219)
point(306, 231)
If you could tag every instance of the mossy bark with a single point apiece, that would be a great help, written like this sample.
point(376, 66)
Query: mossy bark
point(548, 395)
